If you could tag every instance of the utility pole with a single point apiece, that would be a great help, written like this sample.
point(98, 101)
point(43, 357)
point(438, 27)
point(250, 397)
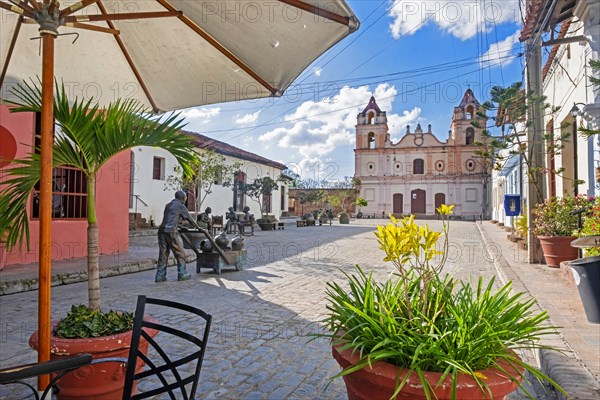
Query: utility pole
point(536, 190)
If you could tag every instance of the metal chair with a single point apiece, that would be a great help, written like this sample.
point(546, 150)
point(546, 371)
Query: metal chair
point(217, 224)
point(178, 377)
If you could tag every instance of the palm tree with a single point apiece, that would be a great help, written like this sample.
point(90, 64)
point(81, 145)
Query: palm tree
point(87, 139)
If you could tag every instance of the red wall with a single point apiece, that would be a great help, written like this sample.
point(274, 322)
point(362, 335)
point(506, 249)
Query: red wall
point(69, 237)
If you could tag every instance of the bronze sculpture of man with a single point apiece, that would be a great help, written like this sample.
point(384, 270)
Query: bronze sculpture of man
point(205, 219)
point(168, 238)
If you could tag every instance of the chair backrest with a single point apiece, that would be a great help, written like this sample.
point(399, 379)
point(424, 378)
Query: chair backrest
point(177, 376)
point(217, 220)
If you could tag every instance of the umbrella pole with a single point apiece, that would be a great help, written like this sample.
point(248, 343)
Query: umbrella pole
point(45, 249)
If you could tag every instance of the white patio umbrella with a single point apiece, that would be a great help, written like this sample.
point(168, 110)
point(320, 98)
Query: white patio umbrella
point(168, 54)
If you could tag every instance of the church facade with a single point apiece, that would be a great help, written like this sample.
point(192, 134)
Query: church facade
point(419, 172)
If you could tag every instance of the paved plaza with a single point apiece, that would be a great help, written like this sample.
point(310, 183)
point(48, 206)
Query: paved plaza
point(263, 316)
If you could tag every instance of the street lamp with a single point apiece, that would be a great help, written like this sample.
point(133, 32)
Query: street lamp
point(575, 112)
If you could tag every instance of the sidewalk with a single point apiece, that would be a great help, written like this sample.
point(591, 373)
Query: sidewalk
point(578, 369)
point(23, 277)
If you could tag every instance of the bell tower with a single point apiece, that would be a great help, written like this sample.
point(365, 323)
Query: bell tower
point(371, 127)
point(462, 131)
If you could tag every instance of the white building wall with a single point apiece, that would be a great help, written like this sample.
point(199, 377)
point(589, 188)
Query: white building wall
point(148, 190)
point(566, 84)
point(156, 195)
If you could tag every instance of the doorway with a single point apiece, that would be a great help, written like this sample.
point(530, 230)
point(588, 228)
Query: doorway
point(417, 201)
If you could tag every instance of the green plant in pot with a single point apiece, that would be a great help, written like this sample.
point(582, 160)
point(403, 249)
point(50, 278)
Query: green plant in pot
point(555, 225)
point(87, 139)
point(424, 335)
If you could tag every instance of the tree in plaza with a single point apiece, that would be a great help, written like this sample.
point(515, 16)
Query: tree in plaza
point(307, 196)
point(259, 190)
point(87, 138)
point(511, 106)
point(208, 169)
point(361, 202)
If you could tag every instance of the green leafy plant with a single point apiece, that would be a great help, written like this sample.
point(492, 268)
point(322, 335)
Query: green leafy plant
point(423, 321)
point(361, 202)
point(258, 190)
point(554, 216)
point(521, 226)
point(89, 137)
point(591, 227)
point(83, 322)
point(208, 169)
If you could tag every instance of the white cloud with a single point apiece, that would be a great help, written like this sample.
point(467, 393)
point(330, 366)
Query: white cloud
point(497, 53)
point(247, 118)
point(317, 71)
point(460, 18)
point(397, 123)
point(201, 114)
point(316, 129)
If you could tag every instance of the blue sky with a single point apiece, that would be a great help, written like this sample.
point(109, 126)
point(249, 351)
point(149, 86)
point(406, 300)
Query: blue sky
point(416, 57)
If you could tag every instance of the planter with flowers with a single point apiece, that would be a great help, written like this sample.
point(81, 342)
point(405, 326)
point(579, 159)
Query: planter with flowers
point(421, 335)
point(586, 271)
point(555, 226)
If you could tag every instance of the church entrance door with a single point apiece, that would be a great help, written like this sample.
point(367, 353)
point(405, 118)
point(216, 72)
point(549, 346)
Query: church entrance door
point(398, 202)
point(440, 198)
point(417, 201)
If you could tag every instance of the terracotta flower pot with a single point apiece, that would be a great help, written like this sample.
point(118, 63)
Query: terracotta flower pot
point(103, 381)
point(557, 249)
point(379, 382)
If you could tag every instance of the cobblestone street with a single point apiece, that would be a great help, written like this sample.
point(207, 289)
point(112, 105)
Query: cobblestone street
point(259, 346)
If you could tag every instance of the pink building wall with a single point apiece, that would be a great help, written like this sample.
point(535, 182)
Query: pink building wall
point(69, 236)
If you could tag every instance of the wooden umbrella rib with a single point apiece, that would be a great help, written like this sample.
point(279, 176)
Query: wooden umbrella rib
point(129, 60)
point(16, 9)
point(206, 36)
point(76, 7)
point(23, 5)
point(34, 4)
point(321, 12)
point(96, 28)
point(11, 47)
point(122, 16)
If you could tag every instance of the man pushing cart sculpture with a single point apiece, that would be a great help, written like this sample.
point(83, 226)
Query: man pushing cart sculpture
point(169, 239)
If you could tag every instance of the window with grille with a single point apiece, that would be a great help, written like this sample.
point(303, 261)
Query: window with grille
point(418, 166)
point(69, 194)
point(158, 168)
point(69, 187)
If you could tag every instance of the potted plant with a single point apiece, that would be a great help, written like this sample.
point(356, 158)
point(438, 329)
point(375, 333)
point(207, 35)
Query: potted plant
point(360, 202)
point(84, 130)
point(424, 335)
point(555, 225)
point(586, 270)
point(521, 228)
point(259, 190)
point(103, 335)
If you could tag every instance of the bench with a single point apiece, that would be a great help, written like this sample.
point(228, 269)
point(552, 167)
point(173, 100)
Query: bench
point(279, 225)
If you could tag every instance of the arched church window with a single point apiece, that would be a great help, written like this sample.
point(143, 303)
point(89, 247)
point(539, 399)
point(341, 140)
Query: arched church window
point(370, 118)
point(371, 140)
point(418, 166)
point(470, 136)
point(470, 112)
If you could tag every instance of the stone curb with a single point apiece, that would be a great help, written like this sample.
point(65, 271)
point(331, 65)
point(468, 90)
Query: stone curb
point(29, 284)
point(565, 368)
